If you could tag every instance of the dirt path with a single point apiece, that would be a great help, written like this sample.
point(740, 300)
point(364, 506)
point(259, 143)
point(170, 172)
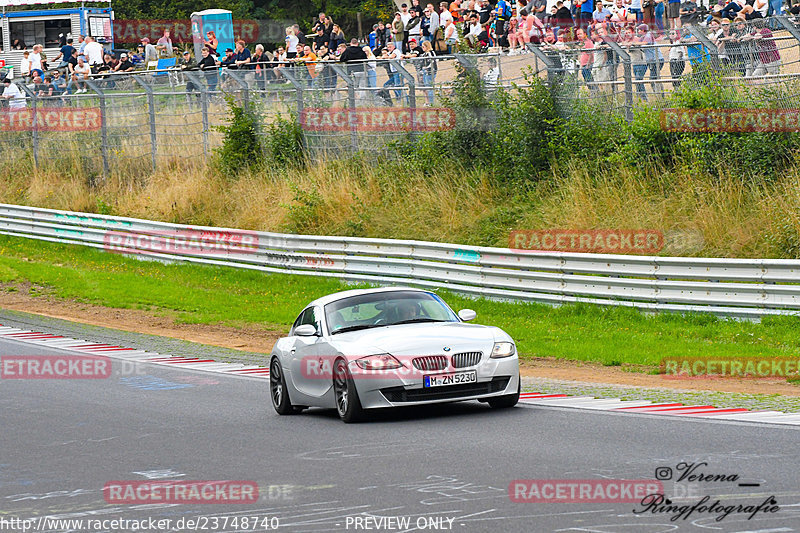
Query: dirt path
point(254, 339)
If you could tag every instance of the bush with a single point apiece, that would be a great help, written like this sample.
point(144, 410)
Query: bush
point(284, 142)
point(241, 147)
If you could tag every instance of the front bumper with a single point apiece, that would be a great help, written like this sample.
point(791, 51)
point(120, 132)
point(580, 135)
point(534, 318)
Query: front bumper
point(496, 377)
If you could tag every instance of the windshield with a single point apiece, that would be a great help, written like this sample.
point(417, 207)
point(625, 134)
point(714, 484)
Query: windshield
point(386, 309)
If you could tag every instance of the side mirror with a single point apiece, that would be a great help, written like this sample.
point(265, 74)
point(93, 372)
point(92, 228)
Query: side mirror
point(306, 330)
point(467, 314)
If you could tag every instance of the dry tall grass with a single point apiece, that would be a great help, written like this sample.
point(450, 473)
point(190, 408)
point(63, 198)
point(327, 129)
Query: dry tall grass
point(727, 217)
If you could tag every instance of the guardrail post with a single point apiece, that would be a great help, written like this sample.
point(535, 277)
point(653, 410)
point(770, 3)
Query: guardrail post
point(34, 124)
point(103, 126)
point(152, 108)
point(627, 72)
point(351, 102)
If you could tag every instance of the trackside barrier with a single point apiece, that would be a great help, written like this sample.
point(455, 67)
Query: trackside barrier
point(742, 288)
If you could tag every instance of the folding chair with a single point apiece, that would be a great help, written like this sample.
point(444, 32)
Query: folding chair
point(167, 63)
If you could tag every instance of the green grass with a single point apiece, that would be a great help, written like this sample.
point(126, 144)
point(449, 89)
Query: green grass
point(210, 295)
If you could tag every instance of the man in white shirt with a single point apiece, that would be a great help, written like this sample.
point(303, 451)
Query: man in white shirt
point(25, 65)
point(93, 52)
point(36, 61)
point(16, 100)
point(394, 75)
point(80, 73)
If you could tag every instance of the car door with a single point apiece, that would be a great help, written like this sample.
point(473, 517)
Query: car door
point(308, 375)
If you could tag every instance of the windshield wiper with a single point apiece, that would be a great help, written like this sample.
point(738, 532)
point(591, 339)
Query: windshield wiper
point(355, 328)
point(417, 320)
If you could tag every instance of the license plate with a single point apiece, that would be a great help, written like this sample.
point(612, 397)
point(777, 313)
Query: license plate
point(456, 378)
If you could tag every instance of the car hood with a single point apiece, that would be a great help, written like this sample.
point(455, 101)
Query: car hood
point(420, 339)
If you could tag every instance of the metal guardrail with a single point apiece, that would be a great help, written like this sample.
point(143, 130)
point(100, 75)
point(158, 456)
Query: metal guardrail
point(742, 288)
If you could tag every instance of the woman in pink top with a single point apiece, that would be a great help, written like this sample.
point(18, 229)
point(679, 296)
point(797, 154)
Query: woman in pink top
point(533, 29)
point(514, 37)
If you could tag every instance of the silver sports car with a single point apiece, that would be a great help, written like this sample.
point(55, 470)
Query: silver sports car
point(366, 349)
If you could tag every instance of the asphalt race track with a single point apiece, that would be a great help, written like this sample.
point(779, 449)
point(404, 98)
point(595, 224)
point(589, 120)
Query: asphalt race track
point(426, 469)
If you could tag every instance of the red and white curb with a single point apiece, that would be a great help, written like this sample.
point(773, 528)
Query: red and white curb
point(129, 354)
point(533, 398)
point(667, 409)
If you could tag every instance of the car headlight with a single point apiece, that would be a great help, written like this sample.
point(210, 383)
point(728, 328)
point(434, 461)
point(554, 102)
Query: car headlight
point(382, 361)
point(503, 349)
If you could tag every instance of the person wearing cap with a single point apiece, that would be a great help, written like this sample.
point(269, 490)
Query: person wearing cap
point(186, 61)
point(150, 52)
point(320, 39)
point(229, 60)
point(414, 48)
point(414, 28)
point(13, 95)
point(137, 56)
point(125, 64)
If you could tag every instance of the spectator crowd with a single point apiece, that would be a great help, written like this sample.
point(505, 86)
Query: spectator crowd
point(578, 35)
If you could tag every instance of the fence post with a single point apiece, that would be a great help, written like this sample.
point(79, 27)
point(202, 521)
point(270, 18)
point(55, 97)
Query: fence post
point(627, 72)
point(152, 108)
point(298, 87)
point(103, 126)
point(34, 126)
point(698, 34)
point(201, 87)
point(289, 75)
point(412, 84)
point(351, 102)
point(548, 63)
point(790, 27)
point(245, 91)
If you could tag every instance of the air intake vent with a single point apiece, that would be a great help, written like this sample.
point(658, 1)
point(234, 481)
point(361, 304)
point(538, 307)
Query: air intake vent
point(465, 359)
point(430, 363)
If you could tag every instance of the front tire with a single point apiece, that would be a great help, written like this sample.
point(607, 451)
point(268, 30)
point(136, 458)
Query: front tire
point(279, 392)
point(348, 405)
point(507, 401)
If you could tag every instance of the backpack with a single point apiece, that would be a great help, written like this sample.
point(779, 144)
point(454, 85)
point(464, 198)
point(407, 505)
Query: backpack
point(506, 10)
point(439, 46)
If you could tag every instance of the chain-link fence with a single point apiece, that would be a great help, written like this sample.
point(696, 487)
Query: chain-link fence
point(147, 119)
